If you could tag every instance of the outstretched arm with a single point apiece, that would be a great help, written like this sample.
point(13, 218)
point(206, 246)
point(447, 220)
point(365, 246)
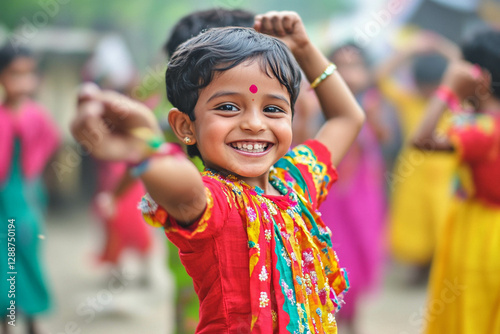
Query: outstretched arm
point(104, 126)
point(343, 114)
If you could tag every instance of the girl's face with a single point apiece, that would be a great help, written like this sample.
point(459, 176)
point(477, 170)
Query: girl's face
point(243, 122)
point(352, 68)
point(19, 79)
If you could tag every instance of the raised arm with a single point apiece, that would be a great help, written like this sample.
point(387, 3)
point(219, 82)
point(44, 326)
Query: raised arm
point(344, 116)
point(423, 42)
point(104, 127)
point(461, 81)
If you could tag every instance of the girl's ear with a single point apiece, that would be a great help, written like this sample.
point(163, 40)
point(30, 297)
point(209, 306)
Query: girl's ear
point(182, 126)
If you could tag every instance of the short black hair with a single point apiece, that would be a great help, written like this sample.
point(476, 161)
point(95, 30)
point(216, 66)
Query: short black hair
point(197, 22)
point(8, 53)
point(483, 49)
point(428, 69)
point(194, 64)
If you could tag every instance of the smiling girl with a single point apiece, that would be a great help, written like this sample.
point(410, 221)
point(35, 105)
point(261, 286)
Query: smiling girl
point(247, 228)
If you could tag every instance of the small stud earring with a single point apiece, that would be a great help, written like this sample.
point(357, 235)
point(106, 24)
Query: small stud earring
point(187, 140)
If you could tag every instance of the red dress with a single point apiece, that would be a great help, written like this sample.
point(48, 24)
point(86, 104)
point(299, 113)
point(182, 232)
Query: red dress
point(262, 263)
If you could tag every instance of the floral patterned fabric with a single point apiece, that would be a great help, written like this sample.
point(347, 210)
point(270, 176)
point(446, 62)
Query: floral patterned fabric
point(263, 263)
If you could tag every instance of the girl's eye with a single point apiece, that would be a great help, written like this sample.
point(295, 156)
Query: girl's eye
point(227, 107)
point(273, 109)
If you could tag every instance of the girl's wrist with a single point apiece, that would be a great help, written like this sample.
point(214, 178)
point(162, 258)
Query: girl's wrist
point(164, 150)
point(449, 97)
point(303, 52)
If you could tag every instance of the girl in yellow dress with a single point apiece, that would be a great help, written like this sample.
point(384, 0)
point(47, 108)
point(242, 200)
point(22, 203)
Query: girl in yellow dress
point(464, 293)
point(421, 182)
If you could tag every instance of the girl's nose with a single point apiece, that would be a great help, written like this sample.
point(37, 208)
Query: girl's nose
point(253, 120)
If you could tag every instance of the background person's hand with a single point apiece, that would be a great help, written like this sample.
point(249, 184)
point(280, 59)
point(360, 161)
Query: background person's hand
point(466, 80)
point(105, 205)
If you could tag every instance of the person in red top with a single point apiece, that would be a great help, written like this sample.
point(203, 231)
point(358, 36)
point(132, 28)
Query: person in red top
point(247, 228)
point(464, 292)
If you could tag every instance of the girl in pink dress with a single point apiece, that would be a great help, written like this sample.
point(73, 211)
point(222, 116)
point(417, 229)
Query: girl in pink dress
point(356, 208)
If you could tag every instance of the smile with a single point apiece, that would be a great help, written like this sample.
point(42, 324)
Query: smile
point(250, 147)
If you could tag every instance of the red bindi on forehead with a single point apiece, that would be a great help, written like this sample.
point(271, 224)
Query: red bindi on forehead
point(253, 89)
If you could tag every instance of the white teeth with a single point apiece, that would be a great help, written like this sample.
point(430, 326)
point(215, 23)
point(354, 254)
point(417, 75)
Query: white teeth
point(252, 148)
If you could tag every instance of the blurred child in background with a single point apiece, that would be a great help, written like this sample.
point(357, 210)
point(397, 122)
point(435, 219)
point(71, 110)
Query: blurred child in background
point(28, 139)
point(117, 190)
point(464, 293)
point(421, 183)
point(359, 230)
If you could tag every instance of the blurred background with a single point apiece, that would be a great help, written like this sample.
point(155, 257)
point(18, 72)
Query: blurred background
point(119, 44)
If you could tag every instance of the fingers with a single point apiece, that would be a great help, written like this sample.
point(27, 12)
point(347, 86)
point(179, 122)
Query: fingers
point(87, 90)
point(276, 23)
point(118, 111)
point(89, 129)
point(288, 22)
point(113, 104)
point(126, 112)
point(103, 123)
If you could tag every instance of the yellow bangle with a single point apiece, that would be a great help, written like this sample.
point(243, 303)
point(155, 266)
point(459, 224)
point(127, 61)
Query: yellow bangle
point(326, 73)
point(146, 134)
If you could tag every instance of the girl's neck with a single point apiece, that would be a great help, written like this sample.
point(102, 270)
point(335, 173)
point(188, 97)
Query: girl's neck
point(261, 181)
point(13, 104)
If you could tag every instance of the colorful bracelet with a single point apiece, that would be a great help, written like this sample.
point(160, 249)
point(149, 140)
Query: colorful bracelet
point(326, 73)
point(165, 149)
point(446, 95)
point(154, 141)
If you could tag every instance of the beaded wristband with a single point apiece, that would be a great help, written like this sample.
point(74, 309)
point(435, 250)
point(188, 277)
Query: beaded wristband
point(154, 141)
point(326, 73)
point(139, 169)
point(449, 97)
point(165, 149)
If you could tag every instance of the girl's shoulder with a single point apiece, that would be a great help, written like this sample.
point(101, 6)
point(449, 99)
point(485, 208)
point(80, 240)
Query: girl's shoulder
point(485, 123)
point(476, 137)
point(308, 169)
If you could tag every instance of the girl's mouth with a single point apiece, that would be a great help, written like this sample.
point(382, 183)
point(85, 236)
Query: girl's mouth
point(250, 147)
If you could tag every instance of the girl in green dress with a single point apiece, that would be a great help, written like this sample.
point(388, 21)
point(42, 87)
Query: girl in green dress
point(28, 138)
